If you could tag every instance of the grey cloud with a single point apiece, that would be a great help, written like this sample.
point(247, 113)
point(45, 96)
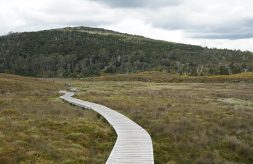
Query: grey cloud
point(138, 3)
point(230, 36)
point(174, 20)
point(242, 29)
point(228, 29)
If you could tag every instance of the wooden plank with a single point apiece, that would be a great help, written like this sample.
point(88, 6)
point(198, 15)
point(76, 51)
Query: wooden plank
point(133, 144)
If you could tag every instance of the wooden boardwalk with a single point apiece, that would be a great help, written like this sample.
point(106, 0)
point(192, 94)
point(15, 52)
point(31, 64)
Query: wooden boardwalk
point(133, 144)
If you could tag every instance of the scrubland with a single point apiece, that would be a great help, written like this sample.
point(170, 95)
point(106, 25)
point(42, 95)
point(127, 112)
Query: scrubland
point(37, 127)
point(196, 121)
point(189, 122)
point(155, 76)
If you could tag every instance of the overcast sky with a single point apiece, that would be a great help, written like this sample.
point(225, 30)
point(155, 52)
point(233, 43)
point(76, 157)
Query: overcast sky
point(212, 23)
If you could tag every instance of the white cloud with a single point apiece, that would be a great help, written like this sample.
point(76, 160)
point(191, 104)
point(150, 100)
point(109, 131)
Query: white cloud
point(207, 19)
point(138, 27)
point(139, 3)
point(19, 15)
point(212, 23)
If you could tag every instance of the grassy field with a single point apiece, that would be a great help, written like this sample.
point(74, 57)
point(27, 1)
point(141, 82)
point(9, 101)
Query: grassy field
point(154, 76)
point(189, 122)
point(37, 127)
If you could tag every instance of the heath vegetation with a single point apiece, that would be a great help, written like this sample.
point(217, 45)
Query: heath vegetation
point(188, 122)
point(37, 127)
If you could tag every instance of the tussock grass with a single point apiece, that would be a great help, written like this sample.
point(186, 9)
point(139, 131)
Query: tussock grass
point(154, 76)
point(37, 127)
point(187, 121)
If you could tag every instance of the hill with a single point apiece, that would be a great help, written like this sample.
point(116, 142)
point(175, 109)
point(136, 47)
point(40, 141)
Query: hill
point(84, 51)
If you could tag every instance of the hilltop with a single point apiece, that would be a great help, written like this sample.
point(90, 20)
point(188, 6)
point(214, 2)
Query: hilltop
point(85, 51)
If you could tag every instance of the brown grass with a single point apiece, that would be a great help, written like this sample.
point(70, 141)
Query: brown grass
point(187, 121)
point(37, 127)
point(154, 76)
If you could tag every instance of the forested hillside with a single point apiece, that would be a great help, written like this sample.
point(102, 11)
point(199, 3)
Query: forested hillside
point(83, 51)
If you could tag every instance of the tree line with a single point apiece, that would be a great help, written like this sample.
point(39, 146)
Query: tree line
point(82, 52)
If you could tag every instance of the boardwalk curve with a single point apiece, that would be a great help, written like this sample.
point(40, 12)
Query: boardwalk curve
point(133, 144)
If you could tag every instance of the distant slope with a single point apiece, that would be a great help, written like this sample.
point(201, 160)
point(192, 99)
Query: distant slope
point(84, 51)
